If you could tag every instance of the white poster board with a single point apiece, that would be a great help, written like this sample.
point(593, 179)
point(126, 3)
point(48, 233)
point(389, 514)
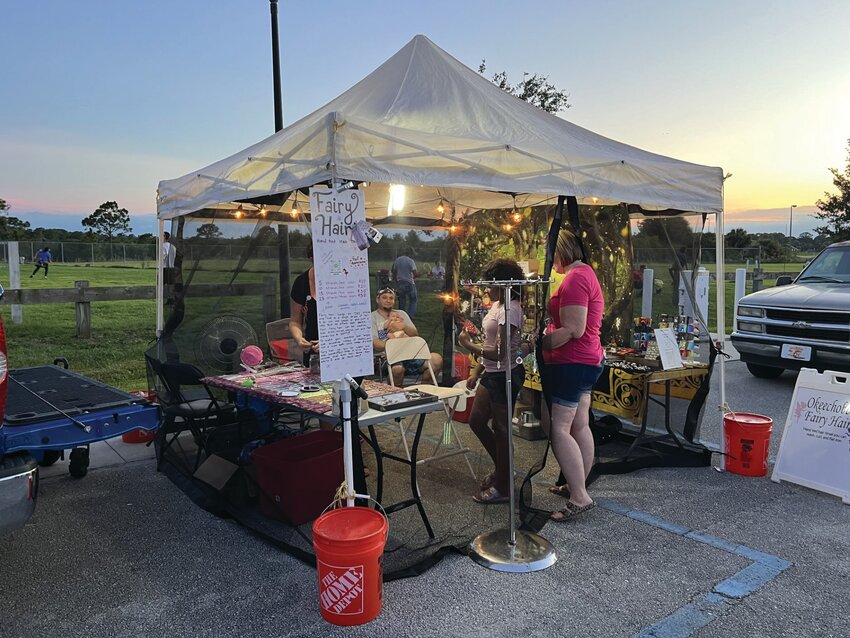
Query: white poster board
point(815, 447)
point(668, 349)
point(700, 293)
point(342, 284)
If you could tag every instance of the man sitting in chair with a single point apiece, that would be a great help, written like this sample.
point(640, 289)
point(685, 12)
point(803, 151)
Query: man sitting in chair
point(389, 323)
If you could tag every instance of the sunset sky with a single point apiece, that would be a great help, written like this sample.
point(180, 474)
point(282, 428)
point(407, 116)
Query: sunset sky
point(102, 100)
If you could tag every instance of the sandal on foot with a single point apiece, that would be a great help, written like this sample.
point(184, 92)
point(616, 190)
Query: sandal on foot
point(490, 496)
point(488, 481)
point(560, 490)
point(571, 511)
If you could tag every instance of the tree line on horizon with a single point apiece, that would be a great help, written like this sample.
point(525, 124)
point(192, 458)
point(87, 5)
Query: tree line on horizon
point(106, 223)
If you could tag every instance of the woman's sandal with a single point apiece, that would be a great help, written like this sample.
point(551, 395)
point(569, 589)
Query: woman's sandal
point(571, 511)
point(490, 496)
point(560, 490)
point(488, 481)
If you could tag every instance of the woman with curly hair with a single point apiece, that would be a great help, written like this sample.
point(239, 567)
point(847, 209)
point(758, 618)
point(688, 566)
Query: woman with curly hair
point(495, 357)
point(574, 360)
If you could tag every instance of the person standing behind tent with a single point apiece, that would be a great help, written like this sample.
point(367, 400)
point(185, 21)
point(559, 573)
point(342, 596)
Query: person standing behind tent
point(491, 401)
point(304, 317)
point(169, 255)
point(404, 275)
point(574, 360)
point(42, 260)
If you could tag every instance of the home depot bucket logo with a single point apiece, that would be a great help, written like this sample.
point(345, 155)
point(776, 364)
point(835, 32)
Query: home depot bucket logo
point(341, 589)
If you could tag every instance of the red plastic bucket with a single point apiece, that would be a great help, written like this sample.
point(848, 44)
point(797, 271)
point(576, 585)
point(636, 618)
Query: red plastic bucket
point(747, 439)
point(349, 544)
point(138, 436)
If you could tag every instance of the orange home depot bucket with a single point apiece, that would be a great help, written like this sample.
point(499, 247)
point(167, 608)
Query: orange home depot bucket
point(747, 440)
point(349, 544)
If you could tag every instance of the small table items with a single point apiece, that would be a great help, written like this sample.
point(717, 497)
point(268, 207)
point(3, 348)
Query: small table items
point(685, 329)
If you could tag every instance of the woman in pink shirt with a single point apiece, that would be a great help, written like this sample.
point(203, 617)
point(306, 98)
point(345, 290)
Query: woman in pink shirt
point(574, 360)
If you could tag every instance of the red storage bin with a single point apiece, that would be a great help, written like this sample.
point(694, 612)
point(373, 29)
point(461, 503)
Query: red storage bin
point(299, 476)
point(463, 365)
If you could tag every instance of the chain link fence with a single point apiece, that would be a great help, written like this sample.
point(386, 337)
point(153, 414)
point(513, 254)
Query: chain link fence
point(83, 252)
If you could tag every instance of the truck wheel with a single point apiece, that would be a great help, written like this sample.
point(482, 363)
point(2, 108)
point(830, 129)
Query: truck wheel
point(79, 465)
point(764, 372)
point(49, 458)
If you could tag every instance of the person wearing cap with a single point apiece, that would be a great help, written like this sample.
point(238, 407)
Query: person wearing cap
point(392, 323)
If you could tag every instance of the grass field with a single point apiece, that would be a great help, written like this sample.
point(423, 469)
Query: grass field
point(123, 330)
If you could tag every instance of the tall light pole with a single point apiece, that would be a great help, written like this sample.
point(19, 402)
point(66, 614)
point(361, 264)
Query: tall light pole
point(791, 221)
point(790, 229)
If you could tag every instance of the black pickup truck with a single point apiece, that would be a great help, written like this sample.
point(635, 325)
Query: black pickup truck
point(800, 323)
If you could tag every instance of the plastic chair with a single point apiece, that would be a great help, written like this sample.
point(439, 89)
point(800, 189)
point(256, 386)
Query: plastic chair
point(183, 412)
point(398, 351)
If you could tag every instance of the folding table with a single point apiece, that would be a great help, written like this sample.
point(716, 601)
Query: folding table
point(264, 394)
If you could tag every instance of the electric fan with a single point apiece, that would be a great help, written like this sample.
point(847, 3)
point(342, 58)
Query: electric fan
point(220, 342)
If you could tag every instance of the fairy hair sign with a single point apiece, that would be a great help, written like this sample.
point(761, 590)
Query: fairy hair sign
point(815, 447)
point(342, 284)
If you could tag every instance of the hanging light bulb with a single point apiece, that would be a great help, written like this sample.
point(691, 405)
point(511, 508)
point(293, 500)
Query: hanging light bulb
point(396, 200)
point(238, 212)
point(441, 209)
point(294, 212)
point(516, 216)
point(508, 227)
point(262, 211)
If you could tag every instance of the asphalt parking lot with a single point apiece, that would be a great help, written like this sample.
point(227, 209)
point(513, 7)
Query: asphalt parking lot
point(668, 552)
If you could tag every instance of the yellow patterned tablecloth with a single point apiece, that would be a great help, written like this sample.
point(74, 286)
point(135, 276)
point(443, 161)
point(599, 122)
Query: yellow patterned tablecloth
point(623, 393)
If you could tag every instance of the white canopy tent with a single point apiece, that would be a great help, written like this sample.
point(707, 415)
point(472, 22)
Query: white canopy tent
point(424, 120)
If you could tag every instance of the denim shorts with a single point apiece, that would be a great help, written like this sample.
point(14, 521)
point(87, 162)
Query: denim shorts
point(495, 384)
point(413, 366)
point(570, 381)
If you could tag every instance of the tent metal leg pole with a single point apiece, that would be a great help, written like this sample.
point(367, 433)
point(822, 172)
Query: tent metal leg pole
point(720, 258)
point(159, 278)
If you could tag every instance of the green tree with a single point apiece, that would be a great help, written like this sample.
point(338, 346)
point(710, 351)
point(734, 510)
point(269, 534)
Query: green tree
point(772, 249)
point(534, 89)
point(738, 238)
point(208, 231)
point(4, 205)
point(834, 209)
point(677, 228)
point(108, 220)
point(12, 228)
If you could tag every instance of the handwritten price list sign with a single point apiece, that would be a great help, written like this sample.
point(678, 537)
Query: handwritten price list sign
point(342, 284)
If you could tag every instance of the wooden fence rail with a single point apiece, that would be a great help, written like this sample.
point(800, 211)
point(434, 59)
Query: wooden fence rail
point(82, 295)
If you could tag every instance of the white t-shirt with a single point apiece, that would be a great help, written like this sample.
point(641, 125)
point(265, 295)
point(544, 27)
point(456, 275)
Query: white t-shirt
point(379, 322)
point(493, 320)
point(168, 254)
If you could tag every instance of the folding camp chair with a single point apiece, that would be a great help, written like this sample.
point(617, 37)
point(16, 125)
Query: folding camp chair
point(415, 348)
point(282, 346)
point(185, 413)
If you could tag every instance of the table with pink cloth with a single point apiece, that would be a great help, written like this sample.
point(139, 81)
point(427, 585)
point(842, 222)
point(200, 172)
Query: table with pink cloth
point(269, 386)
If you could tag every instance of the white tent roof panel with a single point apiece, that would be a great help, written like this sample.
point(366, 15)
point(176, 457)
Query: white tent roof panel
point(424, 119)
